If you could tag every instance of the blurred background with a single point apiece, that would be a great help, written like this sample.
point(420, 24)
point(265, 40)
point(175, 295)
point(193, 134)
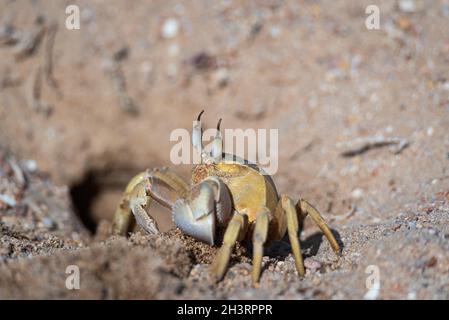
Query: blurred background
point(94, 106)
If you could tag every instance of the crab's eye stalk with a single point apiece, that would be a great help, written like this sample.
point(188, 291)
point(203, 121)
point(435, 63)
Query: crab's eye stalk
point(197, 134)
point(199, 116)
point(217, 145)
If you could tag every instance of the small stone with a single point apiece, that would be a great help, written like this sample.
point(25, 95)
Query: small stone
point(121, 54)
point(404, 24)
point(194, 272)
point(334, 74)
point(408, 6)
point(30, 165)
point(412, 225)
point(8, 200)
point(312, 264)
point(170, 28)
point(357, 193)
point(221, 77)
point(203, 61)
point(49, 223)
point(432, 262)
point(275, 31)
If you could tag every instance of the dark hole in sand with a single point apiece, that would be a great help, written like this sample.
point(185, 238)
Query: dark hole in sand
point(97, 194)
point(82, 195)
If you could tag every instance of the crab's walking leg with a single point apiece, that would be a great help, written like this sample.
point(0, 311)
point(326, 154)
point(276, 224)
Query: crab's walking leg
point(259, 237)
point(293, 228)
point(162, 185)
point(304, 208)
point(122, 217)
point(139, 202)
point(235, 231)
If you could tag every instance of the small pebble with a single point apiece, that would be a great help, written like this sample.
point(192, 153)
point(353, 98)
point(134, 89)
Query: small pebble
point(312, 264)
point(220, 77)
point(408, 6)
point(357, 193)
point(49, 223)
point(121, 54)
point(30, 165)
point(275, 31)
point(8, 200)
point(170, 28)
point(412, 225)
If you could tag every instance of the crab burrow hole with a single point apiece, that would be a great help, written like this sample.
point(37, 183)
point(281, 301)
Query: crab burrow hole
point(96, 194)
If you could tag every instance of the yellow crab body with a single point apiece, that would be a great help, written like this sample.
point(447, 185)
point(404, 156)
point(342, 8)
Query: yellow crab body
point(251, 191)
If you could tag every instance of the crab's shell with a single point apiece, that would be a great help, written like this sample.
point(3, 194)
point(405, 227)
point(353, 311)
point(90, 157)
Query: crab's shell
point(251, 190)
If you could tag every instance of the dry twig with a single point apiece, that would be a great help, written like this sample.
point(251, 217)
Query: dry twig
point(362, 145)
point(48, 58)
point(34, 93)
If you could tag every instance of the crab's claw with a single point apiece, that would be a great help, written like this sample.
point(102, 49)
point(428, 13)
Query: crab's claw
point(207, 205)
point(197, 221)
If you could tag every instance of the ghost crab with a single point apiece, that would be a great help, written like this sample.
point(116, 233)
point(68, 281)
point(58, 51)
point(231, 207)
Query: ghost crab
point(226, 193)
